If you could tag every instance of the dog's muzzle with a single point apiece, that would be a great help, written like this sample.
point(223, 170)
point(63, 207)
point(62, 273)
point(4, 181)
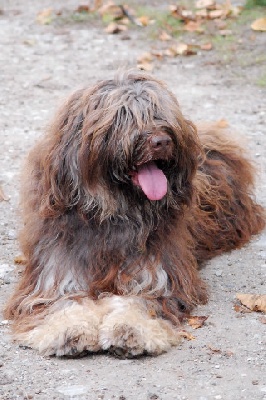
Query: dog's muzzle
point(148, 175)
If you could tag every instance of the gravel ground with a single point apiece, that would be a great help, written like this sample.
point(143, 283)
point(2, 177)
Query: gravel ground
point(40, 65)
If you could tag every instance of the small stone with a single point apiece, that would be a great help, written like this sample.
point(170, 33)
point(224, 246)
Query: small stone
point(73, 390)
point(219, 272)
point(255, 382)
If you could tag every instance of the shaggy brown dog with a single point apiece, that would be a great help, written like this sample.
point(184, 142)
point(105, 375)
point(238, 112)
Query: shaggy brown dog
point(121, 201)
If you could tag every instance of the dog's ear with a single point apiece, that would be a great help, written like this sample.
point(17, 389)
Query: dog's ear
point(189, 156)
point(57, 158)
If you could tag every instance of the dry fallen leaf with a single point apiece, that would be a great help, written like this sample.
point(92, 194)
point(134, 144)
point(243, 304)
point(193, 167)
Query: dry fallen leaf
point(225, 32)
point(206, 46)
point(205, 4)
point(259, 24)
point(111, 9)
point(241, 309)
point(202, 14)
point(216, 14)
point(145, 66)
point(193, 26)
point(164, 36)
point(253, 301)
point(181, 49)
point(20, 259)
point(83, 8)
point(45, 17)
point(197, 322)
point(144, 20)
point(214, 349)
point(186, 335)
point(114, 28)
point(145, 57)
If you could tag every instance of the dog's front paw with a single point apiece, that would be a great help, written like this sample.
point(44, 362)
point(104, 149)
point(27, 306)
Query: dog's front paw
point(121, 339)
point(130, 334)
point(72, 331)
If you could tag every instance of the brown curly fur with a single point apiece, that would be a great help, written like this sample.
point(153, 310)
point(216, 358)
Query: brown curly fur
point(90, 231)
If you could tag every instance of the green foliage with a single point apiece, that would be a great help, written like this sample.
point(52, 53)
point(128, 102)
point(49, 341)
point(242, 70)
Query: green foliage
point(162, 20)
point(255, 3)
point(262, 81)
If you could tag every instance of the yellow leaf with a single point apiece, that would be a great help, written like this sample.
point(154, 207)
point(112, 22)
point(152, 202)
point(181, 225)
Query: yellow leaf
point(20, 259)
point(115, 28)
point(259, 24)
point(196, 322)
point(253, 301)
point(186, 335)
point(144, 20)
point(45, 16)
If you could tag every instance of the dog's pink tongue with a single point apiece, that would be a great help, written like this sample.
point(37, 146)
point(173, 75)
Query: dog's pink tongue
point(152, 181)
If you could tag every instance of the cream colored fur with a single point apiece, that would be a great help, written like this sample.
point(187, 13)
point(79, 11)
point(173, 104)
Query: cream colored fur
point(122, 325)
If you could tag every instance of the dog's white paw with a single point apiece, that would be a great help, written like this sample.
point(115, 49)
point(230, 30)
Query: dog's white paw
point(72, 331)
point(130, 334)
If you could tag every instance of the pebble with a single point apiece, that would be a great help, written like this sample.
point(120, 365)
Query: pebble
point(219, 272)
point(73, 390)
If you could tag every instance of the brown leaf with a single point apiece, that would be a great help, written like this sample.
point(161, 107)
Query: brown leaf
point(193, 26)
point(197, 322)
point(145, 66)
point(181, 49)
point(145, 57)
point(241, 309)
point(205, 4)
point(225, 32)
point(20, 259)
point(3, 197)
point(111, 9)
point(164, 36)
point(144, 20)
point(216, 14)
point(181, 13)
point(202, 14)
point(214, 349)
point(259, 24)
point(45, 16)
point(83, 8)
point(186, 335)
point(253, 301)
point(206, 46)
point(158, 54)
point(114, 28)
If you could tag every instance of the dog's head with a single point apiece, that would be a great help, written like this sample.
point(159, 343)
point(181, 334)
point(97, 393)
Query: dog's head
point(126, 135)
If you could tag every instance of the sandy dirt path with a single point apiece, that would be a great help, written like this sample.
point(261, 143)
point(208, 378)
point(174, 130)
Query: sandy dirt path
point(39, 65)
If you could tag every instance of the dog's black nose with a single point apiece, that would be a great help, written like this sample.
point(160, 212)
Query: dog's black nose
point(160, 141)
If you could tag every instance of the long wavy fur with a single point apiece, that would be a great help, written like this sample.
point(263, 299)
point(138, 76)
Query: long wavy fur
point(90, 231)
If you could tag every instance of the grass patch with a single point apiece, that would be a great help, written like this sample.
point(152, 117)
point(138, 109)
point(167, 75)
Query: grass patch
point(261, 81)
point(163, 20)
point(255, 3)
